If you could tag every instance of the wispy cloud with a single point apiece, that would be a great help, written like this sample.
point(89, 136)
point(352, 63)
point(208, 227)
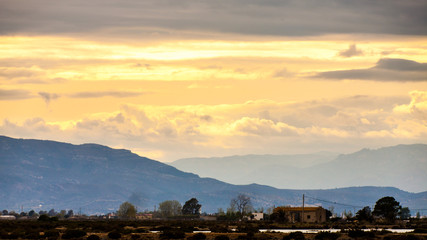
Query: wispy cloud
point(385, 70)
point(351, 51)
point(15, 94)
point(47, 97)
point(99, 94)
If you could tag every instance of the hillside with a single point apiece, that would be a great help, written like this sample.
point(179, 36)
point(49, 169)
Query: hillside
point(41, 175)
point(249, 166)
point(402, 166)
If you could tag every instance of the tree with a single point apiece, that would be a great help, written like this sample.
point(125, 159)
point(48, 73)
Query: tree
point(280, 214)
point(404, 213)
point(32, 213)
point(191, 207)
point(52, 212)
point(62, 213)
point(127, 210)
point(170, 208)
point(387, 208)
point(364, 214)
point(242, 203)
point(69, 214)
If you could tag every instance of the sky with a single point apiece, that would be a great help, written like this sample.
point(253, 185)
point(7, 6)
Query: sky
point(171, 79)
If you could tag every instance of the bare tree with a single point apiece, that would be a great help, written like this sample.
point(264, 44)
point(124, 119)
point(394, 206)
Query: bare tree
point(241, 203)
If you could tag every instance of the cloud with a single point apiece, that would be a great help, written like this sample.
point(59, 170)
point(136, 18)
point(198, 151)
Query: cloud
point(116, 94)
point(386, 69)
point(152, 18)
point(417, 108)
point(47, 97)
point(283, 73)
point(14, 94)
point(351, 52)
point(261, 126)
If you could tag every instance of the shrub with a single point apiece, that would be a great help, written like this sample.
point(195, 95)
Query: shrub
point(222, 237)
point(43, 218)
point(295, 236)
point(360, 234)
point(420, 230)
point(114, 235)
point(73, 233)
point(32, 235)
point(404, 237)
point(51, 234)
point(93, 237)
point(198, 236)
point(327, 236)
point(172, 234)
point(134, 237)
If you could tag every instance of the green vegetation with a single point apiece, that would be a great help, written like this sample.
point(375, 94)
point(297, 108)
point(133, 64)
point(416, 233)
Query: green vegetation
point(127, 210)
point(387, 208)
point(170, 208)
point(191, 207)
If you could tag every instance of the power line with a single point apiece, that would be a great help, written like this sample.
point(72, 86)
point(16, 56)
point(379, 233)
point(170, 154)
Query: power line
point(336, 203)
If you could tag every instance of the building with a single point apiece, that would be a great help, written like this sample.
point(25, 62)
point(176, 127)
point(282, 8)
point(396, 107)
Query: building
point(257, 216)
point(7, 217)
point(299, 214)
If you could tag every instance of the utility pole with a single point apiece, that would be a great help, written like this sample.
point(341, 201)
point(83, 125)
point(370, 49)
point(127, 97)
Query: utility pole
point(303, 200)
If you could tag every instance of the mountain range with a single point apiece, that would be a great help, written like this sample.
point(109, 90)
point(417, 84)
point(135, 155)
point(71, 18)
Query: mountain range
point(41, 175)
point(401, 166)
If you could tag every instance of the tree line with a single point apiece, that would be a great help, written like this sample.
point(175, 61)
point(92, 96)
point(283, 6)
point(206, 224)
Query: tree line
point(386, 209)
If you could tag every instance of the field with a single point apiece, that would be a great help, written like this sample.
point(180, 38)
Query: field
point(195, 229)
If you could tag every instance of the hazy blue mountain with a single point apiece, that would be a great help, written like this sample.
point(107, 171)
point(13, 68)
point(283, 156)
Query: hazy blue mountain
point(41, 175)
point(245, 169)
point(402, 166)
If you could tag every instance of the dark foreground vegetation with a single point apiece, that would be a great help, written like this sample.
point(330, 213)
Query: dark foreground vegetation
point(210, 230)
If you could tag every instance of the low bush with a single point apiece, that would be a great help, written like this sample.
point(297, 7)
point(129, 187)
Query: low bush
point(197, 236)
point(33, 235)
point(114, 235)
point(172, 234)
point(93, 237)
point(420, 230)
point(295, 236)
point(361, 234)
point(327, 236)
point(73, 233)
point(222, 237)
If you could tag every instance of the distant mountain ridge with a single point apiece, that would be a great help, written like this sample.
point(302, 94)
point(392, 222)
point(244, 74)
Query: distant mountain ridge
point(401, 166)
point(41, 175)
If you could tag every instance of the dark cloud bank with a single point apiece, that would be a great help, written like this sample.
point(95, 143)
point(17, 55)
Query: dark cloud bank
point(254, 17)
point(387, 69)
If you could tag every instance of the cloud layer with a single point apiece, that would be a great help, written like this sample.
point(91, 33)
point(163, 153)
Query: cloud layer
point(385, 70)
point(171, 131)
point(251, 17)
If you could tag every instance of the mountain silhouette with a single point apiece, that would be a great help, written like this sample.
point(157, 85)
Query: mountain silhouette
point(41, 175)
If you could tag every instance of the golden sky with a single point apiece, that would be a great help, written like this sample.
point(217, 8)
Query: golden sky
point(172, 79)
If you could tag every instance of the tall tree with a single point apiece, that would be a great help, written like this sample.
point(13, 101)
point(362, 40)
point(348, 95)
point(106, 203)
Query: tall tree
point(241, 203)
point(191, 207)
point(387, 208)
point(127, 210)
point(404, 213)
point(364, 214)
point(170, 208)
